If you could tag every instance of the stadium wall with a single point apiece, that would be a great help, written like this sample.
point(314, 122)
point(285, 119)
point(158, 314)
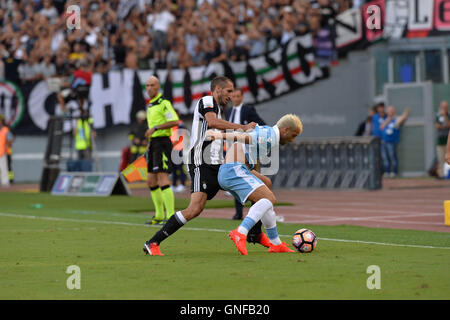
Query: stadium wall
point(331, 107)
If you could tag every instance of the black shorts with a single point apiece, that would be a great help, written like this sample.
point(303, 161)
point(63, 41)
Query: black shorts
point(159, 155)
point(204, 179)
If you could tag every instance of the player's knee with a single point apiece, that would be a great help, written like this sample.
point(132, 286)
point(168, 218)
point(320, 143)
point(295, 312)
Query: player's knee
point(152, 181)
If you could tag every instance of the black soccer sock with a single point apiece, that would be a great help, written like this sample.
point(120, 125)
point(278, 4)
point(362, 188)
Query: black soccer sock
point(254, 232)
point(171, 226)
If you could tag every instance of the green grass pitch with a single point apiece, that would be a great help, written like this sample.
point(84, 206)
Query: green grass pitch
point(104, 238)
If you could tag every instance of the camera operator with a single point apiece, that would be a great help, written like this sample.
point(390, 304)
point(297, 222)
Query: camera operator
point(84, 134)
point(83, 131)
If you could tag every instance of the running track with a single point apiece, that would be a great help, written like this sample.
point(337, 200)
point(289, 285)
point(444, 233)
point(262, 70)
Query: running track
point(416, 204)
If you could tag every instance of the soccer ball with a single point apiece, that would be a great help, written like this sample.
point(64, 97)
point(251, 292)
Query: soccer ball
point(304, 240)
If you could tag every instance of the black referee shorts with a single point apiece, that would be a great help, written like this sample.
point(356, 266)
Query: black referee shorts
point(204, 179)
point(159, 155)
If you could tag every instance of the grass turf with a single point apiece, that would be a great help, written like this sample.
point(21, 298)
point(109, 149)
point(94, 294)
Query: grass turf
point(104, 237)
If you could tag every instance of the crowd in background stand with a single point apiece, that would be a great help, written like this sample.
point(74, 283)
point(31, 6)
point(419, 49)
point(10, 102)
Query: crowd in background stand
point(35, 42)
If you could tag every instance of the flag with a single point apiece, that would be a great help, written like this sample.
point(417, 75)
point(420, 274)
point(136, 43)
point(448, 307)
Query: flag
point(136, 171)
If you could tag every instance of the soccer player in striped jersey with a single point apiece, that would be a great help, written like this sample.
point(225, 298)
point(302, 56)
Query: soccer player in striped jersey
point(205, 158)
point(237, 175)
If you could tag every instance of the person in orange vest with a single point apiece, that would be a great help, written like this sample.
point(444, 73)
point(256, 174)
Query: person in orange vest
point(5, 142)
point(9, 161)
point(178, 139)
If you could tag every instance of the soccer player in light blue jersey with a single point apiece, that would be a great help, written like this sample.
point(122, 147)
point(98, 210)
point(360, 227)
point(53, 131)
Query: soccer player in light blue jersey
point(238, 176)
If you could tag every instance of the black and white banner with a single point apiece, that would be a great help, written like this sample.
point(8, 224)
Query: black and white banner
point(116, 96)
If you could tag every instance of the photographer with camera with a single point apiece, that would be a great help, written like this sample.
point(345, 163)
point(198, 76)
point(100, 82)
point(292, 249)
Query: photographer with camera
point(77, 89)
point(84, 134)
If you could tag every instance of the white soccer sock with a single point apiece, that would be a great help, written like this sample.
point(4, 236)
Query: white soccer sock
point(269, 220)
point(254, 215)
point(181, 219)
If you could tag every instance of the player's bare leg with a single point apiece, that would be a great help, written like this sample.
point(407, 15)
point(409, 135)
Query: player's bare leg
point(176, 221)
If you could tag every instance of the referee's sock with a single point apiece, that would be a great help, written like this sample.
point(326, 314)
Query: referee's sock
point(175, 222)
point(157, 202)
point(168, 200)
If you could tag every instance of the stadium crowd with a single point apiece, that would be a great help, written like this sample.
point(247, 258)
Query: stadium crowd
point(35, 42)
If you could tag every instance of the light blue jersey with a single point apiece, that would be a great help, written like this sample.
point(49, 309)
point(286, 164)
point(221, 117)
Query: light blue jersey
point(236, 177)
point(263, 139)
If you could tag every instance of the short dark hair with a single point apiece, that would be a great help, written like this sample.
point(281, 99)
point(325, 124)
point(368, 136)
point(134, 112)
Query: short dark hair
point(240, 90)
point(219, 81)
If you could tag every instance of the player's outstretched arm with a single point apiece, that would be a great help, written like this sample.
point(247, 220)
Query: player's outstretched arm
point(216, 123)
point(229, 136)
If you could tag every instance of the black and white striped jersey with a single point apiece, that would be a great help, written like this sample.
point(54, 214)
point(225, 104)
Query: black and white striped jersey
point(201, 151)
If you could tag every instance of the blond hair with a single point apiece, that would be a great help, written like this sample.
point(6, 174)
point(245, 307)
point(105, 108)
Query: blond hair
point(291, 121)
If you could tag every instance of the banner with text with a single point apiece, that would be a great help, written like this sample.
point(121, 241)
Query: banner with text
point(391, 19)
point(115, 97)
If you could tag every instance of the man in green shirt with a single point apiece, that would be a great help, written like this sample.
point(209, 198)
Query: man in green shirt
point(161, 117)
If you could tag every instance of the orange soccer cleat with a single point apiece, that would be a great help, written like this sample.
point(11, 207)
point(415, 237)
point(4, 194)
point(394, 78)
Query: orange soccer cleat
point(282, 247)
point(239, 240)
point(152, 249)
point(264, 240)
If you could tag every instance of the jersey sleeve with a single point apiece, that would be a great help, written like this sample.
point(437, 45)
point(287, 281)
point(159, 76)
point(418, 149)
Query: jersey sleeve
point(206, 104)
point(169, 112)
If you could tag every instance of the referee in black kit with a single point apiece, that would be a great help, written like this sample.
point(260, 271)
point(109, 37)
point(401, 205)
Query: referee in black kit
point(205, 158)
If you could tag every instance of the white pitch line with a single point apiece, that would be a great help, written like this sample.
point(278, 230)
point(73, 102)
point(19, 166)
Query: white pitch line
point(11, 215)
point(371, 218)
point(312, 208)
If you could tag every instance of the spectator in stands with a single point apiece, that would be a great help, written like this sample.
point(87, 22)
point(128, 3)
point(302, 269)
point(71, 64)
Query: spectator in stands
point(241, 50)
point(62, 65)
point(131, 59)
point(77, 52)
point(257, 41)
point(390, 135)
point(244, 28)
point(120, 52)
point(29, 69)
point(442, 125)
point(49, 11)
point(11, 65)
point(214, 53)
point(287, 22)
point(365, 127)
point(46, 68)
point(144, 53)
point(160, 20)
point(378, 118)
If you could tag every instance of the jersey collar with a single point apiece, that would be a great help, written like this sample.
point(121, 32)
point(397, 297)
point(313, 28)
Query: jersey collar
point(155, 98)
